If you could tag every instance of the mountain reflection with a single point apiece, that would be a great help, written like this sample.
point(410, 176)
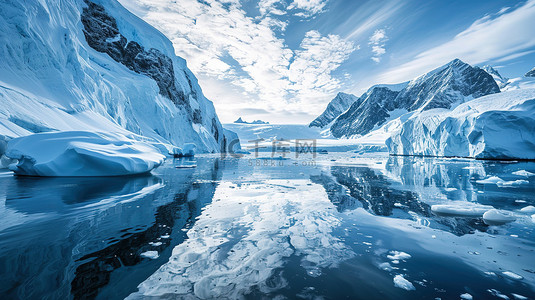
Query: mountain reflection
point(350, 187)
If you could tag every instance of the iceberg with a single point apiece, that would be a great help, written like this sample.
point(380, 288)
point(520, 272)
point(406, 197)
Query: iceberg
point(81, 153)
point(498, 126)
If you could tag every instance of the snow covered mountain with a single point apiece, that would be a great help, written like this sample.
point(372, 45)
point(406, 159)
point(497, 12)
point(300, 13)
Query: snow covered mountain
point(499, 126)
point(531, 73)
point(500, 80)
point(337, 106)
point(444, 87)
point(94, 66)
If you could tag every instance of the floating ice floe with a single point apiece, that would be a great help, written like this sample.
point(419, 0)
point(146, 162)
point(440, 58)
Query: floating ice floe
point(528, 209)
point(466, 296)
point(512, 183)
point(81, 153)
point(402, 283)
point(523, 173)
point(490, 180)
point(500, 182)
point(461, 208)
point(519, 297)
point(150, 254)
point(512, 275)
point(497, 293)
point(498, 217)
point(398, 255)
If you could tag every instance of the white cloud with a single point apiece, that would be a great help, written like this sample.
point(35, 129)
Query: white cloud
point(492, 37)
point(310, 71)
point(219, 41)
point(309, 7)
point(300, 8)
point(377, 42)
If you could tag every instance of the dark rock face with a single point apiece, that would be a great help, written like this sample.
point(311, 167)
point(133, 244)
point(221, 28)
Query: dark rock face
point(337, 106)
point(441, 88)
point(102, 34)
point(530, 73)
point(373, 108)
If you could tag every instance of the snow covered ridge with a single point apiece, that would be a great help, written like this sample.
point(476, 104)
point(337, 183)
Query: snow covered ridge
point(336, 107)
point(500, 126)
point(444, 87)
point(81, 153)
point(531, 73)
point(92, 65)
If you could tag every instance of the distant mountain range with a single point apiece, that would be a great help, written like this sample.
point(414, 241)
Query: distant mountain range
point(445, 87)
point(241, 121)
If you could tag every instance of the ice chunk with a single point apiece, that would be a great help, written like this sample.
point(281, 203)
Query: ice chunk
point(498, 217)
point(502, 183)
point(150, 254)
point(523, 173)
point(490, 180)
point(81, 153)
point(512, 183)
point(461, 208)
point(398, 255)
point(189, 149)
point(528, 209)
point(402, 283)
point(497, 293)
point(512, 275)
point(466, 296)
point(519, 297)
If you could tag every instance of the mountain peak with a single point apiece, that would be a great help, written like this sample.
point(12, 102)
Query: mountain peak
point(337, 106)
point(531, 73)
point(500, 80)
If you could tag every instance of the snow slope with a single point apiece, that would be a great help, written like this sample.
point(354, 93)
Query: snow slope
point(500, 126)
point(79, 65)
point(81, 153)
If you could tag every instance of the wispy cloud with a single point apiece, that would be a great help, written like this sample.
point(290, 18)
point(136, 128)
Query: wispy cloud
point(219, 41)
point(301, 8)
point(498, 36)
point(377, 42)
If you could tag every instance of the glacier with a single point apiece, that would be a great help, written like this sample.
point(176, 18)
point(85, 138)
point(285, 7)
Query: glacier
point(81, 153)
point(93, 66)
point(499, 126)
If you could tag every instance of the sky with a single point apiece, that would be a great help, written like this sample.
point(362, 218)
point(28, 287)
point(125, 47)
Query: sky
point(282, 61)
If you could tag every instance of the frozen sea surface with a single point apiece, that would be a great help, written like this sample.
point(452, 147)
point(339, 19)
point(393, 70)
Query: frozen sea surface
point(336, 226)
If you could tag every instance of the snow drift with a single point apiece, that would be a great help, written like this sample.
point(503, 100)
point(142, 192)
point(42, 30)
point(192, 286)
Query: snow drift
point(499, 126)
point(81, 153)
point(92, 65)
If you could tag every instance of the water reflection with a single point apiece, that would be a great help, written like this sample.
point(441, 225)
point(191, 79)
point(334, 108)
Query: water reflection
point(82, 237)
point(350, 187)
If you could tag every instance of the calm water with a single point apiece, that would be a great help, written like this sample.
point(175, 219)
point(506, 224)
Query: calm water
point(338, 226)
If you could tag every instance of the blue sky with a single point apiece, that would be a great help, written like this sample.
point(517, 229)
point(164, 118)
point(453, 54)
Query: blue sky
point(283, 60)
